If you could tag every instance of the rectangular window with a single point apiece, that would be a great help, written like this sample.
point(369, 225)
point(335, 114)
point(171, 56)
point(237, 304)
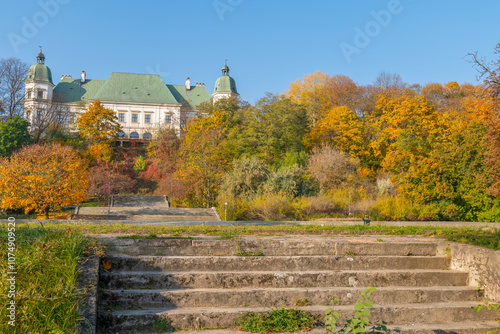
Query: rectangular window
point(40, 94)
point(39, 115)
point(72, 119)
point(121, 117)
point(59, 118)
point(134, 118)
point(168, 119)
point(147, 119)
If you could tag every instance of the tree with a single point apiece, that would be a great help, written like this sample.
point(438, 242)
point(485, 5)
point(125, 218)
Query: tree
point(40, 177)
point(332, 168)
point(99, 125)
point(49, 119)
point(13, 72)
point(204, 158)
point(278, 126)
point(106, 179)
point(13, 135)
point(342, 129)
point(320, 92)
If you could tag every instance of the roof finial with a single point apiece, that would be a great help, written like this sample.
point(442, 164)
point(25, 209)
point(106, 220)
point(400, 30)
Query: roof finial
point(40, 57)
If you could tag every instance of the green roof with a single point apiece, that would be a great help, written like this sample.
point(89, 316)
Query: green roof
point(129, 88)
point(70, 90)
point(135, 88)
point(194, 97)
point(225, 84)
point(39, 72)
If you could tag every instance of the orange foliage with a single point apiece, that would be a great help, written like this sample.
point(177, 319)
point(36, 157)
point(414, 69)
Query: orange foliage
point(40, 177)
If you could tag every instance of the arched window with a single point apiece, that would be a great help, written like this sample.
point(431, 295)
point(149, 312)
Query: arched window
point(121, 135)
point(134, 135)
point(147, 136)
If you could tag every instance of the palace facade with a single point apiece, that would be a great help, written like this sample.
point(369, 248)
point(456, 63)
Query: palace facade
point(142, 102)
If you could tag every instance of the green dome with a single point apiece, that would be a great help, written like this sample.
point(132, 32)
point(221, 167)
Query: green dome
point(225, 84)
point(39, 71)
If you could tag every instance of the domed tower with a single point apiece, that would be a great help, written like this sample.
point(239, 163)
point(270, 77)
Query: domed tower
point(225, 86)
point(38, 89)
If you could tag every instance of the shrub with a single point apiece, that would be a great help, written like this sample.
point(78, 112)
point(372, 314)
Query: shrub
point(399, 208)
point(246, 178)
point(271, 207)
point(332, 168)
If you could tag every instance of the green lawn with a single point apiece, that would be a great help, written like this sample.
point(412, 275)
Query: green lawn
point(46, 261)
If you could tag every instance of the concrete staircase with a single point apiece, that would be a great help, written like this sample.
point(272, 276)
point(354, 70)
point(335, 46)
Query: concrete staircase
point(200, 284)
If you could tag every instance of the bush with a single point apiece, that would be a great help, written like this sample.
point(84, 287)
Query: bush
point(271, 207)
point(399, 208)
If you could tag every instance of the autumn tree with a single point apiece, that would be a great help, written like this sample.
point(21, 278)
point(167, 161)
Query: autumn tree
point(319, 92)
point(98, 125)
point(40, 177)
point(13, 135)
point(204, 158)
point(13, 72)
point(106, 179)
point(342, 129)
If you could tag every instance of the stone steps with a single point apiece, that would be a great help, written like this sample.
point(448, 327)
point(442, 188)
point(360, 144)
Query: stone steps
point(276, 263)
point(200, 284)
point(477, 327)
point(273, 279)
point(280, 247)
point(280, 297)
point(199, 318)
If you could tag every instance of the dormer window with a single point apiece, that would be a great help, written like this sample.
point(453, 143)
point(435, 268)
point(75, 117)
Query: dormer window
point(40, 94)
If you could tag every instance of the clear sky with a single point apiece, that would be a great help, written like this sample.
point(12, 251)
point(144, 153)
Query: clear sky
point(268, 44)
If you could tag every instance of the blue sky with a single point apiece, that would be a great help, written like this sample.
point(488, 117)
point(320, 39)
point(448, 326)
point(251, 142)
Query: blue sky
point(268, 44)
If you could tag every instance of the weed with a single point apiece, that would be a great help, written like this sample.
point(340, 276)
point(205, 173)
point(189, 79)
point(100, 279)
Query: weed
point(349, 253)
point(227, 235)
point(161, 325)
point(445, 268)
point(280, 320)
point(359, 322)
point(490, 307)
point(245, 253)
point(380, 240)
point(300, 302)
point(447, 252)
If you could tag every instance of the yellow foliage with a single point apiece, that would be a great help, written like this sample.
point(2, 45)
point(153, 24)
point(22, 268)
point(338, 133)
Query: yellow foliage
point(41, 176)
point(98, 124)
point(342, 129)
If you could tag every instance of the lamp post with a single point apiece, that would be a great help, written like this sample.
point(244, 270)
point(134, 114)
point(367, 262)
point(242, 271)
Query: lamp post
point(225, 206)
point(349, 204)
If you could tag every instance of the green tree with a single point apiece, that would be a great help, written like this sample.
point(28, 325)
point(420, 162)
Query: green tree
point(13, 135)
point(277, 127)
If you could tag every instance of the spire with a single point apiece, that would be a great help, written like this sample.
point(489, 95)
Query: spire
point(40, 58)
point(225, 69)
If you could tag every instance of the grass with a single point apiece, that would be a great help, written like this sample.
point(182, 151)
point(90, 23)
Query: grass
point(489, 238)
point(46, 266)
point(280, 320)
point(246, 253)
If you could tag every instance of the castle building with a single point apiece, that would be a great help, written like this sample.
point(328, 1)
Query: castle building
point(142, 102)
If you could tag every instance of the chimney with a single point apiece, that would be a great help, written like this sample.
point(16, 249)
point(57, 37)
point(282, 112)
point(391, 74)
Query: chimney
point(83, 77)
point(188, 84)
